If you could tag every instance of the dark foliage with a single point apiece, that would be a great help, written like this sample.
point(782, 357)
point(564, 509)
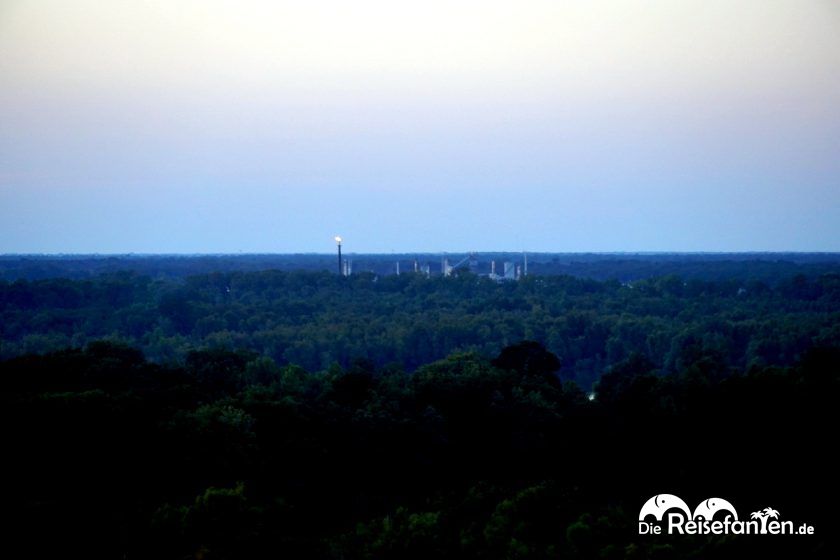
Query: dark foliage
point(233, 456)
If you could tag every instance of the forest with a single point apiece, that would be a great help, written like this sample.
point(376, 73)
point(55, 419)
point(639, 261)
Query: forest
point(317, 319)
point(301, 414)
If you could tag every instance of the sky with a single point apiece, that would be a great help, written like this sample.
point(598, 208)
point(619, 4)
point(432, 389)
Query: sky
point(220, 126)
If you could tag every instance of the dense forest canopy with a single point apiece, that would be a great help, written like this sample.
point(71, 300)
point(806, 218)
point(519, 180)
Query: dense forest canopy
point(315, 319)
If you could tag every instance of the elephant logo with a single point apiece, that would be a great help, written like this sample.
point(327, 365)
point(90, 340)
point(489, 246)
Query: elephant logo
point(659, 504)
point(708, 508)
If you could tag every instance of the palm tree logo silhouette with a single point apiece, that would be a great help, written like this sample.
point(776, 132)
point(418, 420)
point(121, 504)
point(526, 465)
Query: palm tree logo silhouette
point(764, 515)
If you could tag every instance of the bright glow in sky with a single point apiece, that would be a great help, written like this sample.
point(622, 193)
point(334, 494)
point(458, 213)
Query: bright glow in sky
point(228, 125)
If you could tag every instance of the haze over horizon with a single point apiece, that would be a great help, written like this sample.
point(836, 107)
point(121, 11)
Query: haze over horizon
point(269, 127)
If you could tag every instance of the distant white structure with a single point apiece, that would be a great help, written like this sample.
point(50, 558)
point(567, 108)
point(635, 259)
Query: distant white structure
point(510, 271)
point(446, 268)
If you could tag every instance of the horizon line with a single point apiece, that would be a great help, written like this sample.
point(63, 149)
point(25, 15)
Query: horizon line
point(423, 252)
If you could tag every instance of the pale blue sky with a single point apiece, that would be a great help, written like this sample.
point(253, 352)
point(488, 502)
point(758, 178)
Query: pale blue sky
point(224, 126)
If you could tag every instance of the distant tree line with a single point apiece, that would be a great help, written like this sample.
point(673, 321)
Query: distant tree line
point(769, 268)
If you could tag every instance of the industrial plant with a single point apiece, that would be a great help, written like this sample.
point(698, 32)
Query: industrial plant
point(507, 270)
